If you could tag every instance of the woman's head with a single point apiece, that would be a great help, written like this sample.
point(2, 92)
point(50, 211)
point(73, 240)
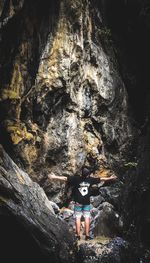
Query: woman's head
point(85, 171)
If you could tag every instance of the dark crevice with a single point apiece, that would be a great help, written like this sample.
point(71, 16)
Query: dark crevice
point(131, 38)
point(16, 243)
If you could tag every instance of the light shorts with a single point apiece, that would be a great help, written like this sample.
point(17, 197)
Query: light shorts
point(80, 210)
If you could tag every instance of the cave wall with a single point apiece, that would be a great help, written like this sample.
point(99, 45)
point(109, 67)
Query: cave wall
point(63, 102)
point(74, 89)
point(131, 39)
point(129, 22)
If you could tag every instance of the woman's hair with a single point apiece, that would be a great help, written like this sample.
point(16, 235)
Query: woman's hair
point(85, 171)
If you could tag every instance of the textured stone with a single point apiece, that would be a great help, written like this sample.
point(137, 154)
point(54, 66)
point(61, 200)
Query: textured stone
point(116, 250)
point(72, 91)
point(26, 201)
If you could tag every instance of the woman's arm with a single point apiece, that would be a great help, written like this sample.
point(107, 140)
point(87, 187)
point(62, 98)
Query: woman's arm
point(111, 178)
point(52, 176)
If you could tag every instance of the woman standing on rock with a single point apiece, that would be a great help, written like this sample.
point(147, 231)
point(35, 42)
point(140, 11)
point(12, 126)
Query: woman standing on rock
point(81, 195)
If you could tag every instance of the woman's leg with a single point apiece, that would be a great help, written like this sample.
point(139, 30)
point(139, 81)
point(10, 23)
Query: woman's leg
point(78, 225)
point(87, 216)
point(87, 226)
point(78, 214)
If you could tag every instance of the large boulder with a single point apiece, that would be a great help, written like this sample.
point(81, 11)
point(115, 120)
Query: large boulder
point(26, 201)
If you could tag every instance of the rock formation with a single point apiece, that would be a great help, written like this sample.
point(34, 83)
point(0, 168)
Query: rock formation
point(70, 94)
point(26, 201)
point(62, 97)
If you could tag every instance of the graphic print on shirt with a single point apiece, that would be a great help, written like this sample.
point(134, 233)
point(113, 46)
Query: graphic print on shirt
point(84, 188)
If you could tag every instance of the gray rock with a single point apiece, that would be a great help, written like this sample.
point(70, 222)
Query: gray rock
point(116, 250)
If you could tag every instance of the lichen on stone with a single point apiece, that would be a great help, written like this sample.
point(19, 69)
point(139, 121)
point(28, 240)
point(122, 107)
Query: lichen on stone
point(17, 131)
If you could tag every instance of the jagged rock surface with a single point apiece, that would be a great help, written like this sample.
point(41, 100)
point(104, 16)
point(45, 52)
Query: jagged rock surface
point(63, 100)
point(116, 250)
point(26, 201)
